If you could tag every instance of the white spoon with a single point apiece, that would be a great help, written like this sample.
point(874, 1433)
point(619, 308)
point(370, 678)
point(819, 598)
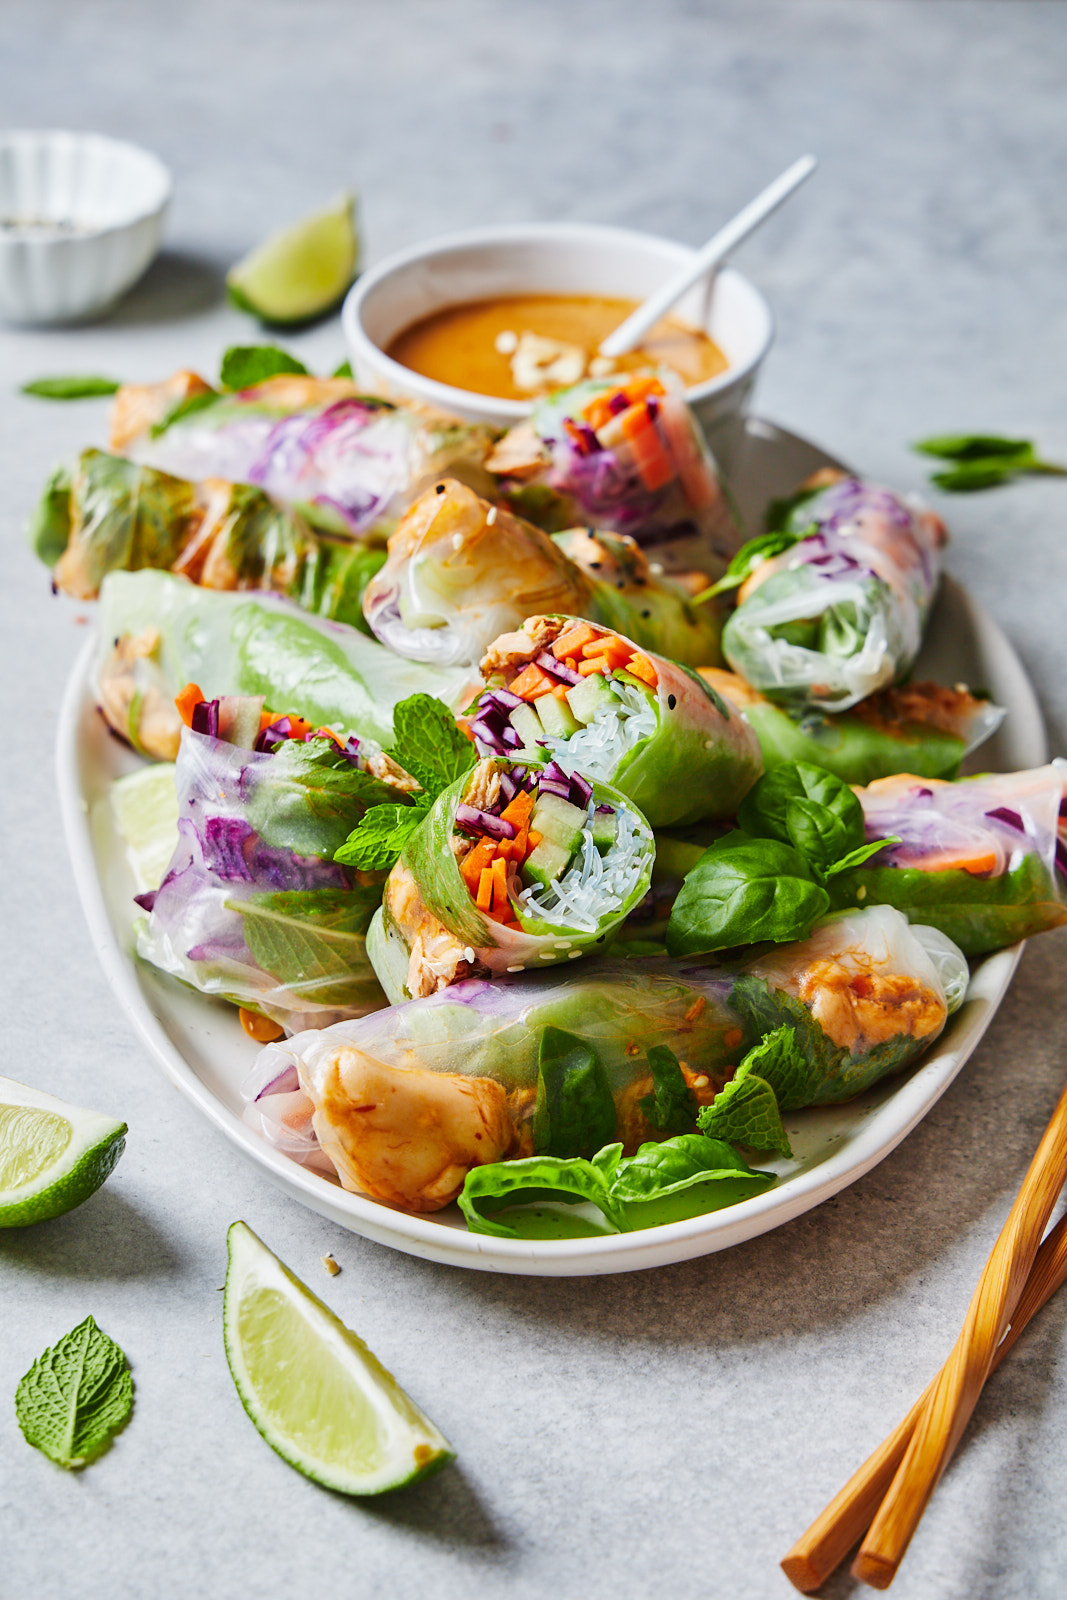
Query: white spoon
point(632, 331)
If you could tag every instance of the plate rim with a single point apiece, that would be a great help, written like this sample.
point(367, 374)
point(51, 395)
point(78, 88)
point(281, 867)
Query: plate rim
point(422, 1236)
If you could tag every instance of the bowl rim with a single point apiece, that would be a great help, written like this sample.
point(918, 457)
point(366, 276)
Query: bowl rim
point(164, 178)
point(447, 396)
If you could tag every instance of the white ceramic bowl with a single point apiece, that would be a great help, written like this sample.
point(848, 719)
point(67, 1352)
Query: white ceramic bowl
point(112, 197)
point(551, 258)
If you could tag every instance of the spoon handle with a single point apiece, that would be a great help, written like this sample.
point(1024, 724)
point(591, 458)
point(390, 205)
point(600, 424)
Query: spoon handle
point(632, 331)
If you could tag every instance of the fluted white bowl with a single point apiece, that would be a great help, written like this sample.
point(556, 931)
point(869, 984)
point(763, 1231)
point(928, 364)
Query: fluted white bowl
point(112, 196)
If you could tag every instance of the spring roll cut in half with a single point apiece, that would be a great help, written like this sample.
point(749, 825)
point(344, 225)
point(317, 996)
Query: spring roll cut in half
point(109, 514)
point(590, 699)
point(839, 613)
point(350, 462)
point(628, 456)
point(513, 867)
point(405, 1102)
point(157, 632)
point(252, 907)
point(461, 570)
point(924, 728)
point(984, 859)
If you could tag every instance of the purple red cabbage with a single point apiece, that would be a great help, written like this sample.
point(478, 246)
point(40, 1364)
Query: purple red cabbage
point(205, 718)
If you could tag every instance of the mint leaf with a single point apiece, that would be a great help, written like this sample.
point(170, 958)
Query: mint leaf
point(575, 1110)
point(427, 743)
point(185, 407)
point(343, 371)
point(82, 388)
point(749, 557)
point(982, 460)
point(671, 1107)
point(856, 858)
point(743, 890)
point(245, 365)
point(781, 1062)
point(746, 1112)
point(75, 1396)
point(378, 840)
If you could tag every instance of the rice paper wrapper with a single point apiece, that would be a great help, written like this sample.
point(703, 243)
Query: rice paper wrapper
point(841, 613)
point(350, 463)
point(983, 859)
point(865, 995)
point(561, 933)
point(231, 644)
point(257, 923)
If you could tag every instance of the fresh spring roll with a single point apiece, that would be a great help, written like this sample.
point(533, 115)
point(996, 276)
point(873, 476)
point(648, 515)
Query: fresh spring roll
point(407, 1101)
point(590, 699)
point(984, 859)
point(252, 907)
point(924, 728)
point(109, 514)
point(840, 612)
point(352, 464)
point(513, 867)
point(158, 632)
point(626, 455)
point(460, 571)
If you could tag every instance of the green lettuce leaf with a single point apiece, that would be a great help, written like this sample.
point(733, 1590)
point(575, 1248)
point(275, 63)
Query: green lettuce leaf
point(313, 941)
point(310, 798)
point(48, 529)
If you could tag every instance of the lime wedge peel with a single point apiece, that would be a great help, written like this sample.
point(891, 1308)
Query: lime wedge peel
point(145, 807)
point(313, 1389)
point(301, 272)
point(52, 1155)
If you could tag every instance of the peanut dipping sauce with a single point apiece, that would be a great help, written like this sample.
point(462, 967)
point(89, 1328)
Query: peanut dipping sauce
point(470, 345)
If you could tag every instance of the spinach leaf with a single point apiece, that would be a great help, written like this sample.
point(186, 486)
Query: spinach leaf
point(671, 1107)
point(245, 365)
point(575, 1111)
point(78, 388)
point(741, 891)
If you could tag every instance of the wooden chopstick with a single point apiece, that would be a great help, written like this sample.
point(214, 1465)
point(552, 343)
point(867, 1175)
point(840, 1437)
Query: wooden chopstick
point(906, 1467)
point(845, 1520)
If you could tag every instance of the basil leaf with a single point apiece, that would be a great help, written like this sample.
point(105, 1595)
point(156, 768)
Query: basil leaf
point(185, 407)
point(856, 858)
point(428, 745)
point(245, 365)
point(672, 1105)
point(807, 807)
point(376, 842)
point(501, 1185)
point(749, 557)
point(80, 388)
point(971, 446)
point(575, 1111)
point(683, 1177)
point(48, 529)
point(973, 475)
point(741, 891)
point(75, 1396)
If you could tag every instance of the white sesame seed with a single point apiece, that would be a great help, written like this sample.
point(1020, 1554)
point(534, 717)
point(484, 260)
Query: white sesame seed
point(573, 955)
point(514, 969)
point(468, 954)
point(457, 541)
point(490, 516)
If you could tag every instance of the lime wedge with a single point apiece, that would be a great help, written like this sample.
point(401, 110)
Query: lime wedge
point(52, 1156)
point(145, 808)
point(301, 272)
point(313, 1389)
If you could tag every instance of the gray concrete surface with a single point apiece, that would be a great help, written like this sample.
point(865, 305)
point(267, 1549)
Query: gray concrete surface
point(662, 1434)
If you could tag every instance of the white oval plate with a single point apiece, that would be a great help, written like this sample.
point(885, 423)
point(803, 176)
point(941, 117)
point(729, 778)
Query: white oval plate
point(201, 1047)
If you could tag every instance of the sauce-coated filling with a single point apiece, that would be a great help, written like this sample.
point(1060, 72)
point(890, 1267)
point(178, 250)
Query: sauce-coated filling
point(470, 345)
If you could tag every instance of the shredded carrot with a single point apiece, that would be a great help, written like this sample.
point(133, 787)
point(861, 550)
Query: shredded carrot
point(598, 664)
point(266, 718)
point(534, 838)
point(600, 409)
point(187, 702)
point(653, 459)
point(642, 668)
point(500, 886)
point(484, 898)
point(570, 642)
point(472, 864)
point(531, 683)
point(298, 728)
point(258, 1027)
point(519, 809)
point(979, 863)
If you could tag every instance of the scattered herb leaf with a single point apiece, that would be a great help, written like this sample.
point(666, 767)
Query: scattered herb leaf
point(376, 842)
point(428, 744)
point(245, 365)
point(75, 1396)
point(343, 371)
point(74, 388)
point(749, 557)
point(982, 460)
point(185, 407)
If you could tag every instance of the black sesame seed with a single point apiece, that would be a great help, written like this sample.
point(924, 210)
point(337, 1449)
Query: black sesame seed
point(440, 488)
point(646, 613)
point(671, 702)
point(621, 584)
point(595, 565)
point(591, 532)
